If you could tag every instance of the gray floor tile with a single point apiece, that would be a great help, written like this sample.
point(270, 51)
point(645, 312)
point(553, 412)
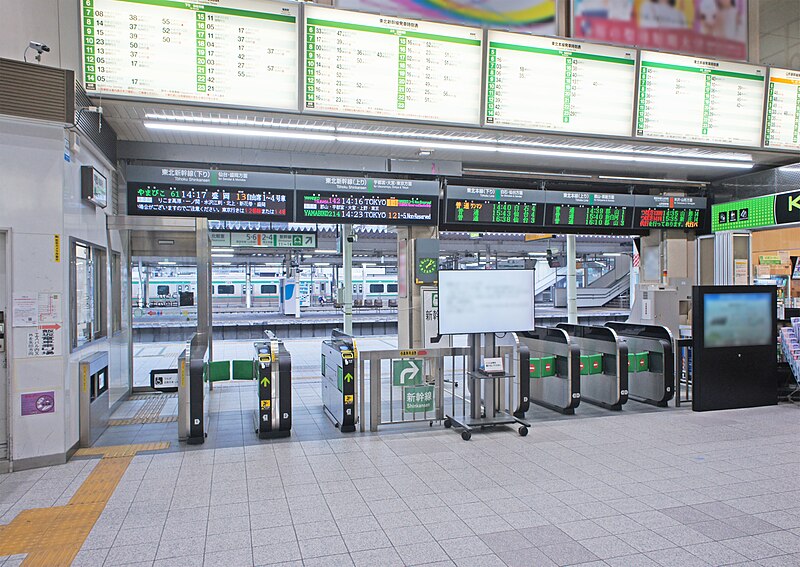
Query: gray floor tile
point(568, 553)
point(276, 553)
point(468, 546)
point(320, 547)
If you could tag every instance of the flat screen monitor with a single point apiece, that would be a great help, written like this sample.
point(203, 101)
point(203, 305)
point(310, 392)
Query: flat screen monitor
point(738, 320)
point(796, 269)
point(485, 301)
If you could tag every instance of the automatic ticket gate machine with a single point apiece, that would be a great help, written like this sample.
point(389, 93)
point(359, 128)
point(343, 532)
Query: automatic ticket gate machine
point(554, 368)
point(651, 362)
point(272, 367)
point(339, 363)
point(603, 364)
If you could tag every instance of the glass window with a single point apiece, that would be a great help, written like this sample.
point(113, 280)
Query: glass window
point(391, 288)
point(89, 302)
point(162, 290)
point(116, 293)
point(376, 288)
point(269, 288)
point(225, 290)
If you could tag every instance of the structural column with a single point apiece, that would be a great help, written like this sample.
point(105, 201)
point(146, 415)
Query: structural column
point(347, 264)
point(410, 314)
point(572, 281)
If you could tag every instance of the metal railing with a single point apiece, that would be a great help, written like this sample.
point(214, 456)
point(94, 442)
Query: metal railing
point(388, 403)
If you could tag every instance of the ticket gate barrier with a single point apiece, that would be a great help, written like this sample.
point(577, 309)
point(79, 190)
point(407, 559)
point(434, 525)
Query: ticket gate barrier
point(603, 364)
point(272, 367)
point(339, 363)
point(651, 362)
point(554, 368)
point(94, 407)
point(192, 385)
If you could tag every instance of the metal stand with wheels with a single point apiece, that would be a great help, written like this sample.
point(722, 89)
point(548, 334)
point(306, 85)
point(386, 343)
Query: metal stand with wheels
point(488, 417)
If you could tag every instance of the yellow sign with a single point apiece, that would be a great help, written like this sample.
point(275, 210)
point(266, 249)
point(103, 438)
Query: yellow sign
point(408, 353)
point(265, 404)
point(85, 378)
point(57, 248)
point(532, 237)
point(347, 354)
point(264, 358)
point(348, 399)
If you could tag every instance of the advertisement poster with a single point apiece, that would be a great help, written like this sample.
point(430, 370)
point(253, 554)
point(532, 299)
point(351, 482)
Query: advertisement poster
point(532, 16)
point(716, 28)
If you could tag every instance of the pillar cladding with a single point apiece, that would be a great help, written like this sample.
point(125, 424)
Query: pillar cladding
point(665, 255)
point(410, 316)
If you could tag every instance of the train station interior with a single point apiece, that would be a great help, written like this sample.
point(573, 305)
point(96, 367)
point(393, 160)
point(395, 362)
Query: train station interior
point(422, 283)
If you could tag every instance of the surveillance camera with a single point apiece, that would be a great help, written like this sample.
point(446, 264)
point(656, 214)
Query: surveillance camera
point(352, 238)
point(39, 47)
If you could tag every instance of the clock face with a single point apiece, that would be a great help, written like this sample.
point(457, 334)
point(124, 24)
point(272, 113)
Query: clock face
point(428, 265)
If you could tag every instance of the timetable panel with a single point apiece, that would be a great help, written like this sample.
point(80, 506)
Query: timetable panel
point(576, 86)
point(603, 211)
point(692, 99)
point(387, 67)
point(669, 212)
point(497, 209)
point(783, 110)
point(242, 52)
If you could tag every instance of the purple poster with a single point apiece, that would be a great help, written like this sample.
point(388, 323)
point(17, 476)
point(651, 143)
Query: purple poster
point(38, 402)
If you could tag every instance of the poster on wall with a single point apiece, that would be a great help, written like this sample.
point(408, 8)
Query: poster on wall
point(43, 341)
point(716, 28)
point(25, 310)
point(37, 403)
point(533, 16)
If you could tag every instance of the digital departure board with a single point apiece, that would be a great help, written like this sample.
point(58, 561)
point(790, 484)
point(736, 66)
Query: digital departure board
point(669, 212)
point(386, 67)
point(237, 52)
point(783, 110)
point(694, 99)
point(214, 194)
point(361, 200)
point(603, 211)
point(545, 83)
point(501, 210)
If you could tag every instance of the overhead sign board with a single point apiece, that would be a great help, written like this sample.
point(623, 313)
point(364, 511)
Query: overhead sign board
point(388, 67)
point(363, 200)
point(783, 110)
point(669, 212)
point(264, 239)
point(230, 52)
point(577, 86)
point(578, 209)
point(758, 212)
point(495, 208)
point(156, 191)
point(693, 99)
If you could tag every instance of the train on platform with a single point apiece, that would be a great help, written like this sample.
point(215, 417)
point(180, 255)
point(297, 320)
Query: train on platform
point(230, 291)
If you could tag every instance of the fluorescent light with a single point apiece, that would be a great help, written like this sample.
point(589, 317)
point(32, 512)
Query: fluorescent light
point(214, 250)
point(226, 121)
point(612, 254)
point(326, 251)
point(165, 263)
point(652, 180)
point(222, 263)
point(322, 264)
point(537, 253)
point(222, 255)
point(257, 132)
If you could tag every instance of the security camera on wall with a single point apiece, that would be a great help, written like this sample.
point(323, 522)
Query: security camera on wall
point(38, 47)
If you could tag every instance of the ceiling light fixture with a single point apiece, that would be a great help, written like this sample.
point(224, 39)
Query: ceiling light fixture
point(225, 130)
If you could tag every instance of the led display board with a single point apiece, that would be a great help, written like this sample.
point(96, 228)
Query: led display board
point(577, 210)
point(783, 110)
point(235, 52)
point(387, 67)
point(180, 192)
point(692, 99)
point(669, 212)
point(562, 85)
point(513, 210)
point(362, 200)
point(758, 212)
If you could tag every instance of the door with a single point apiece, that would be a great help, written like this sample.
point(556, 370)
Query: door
point(5, 330)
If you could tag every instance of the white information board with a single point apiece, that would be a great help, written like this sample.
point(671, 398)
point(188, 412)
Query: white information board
point(485, 301)
point(783, 110)
point(694, 99)
point(563, 85)
point(237, 52)
point(386, 67)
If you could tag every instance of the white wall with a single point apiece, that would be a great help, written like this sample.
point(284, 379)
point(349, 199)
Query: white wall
point(55, 23)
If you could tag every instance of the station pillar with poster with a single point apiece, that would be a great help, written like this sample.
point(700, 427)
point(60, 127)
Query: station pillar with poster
point(417, 265)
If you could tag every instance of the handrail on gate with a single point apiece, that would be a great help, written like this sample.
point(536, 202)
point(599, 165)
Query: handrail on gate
point(375, 358)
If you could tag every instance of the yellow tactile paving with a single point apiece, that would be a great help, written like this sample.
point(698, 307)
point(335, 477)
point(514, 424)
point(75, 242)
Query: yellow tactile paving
point(141, 420)
point(150, 412)
point(52, 537)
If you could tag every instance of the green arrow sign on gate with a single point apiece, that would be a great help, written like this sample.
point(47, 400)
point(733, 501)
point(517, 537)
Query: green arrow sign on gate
point(265, 381)
point(407, 372)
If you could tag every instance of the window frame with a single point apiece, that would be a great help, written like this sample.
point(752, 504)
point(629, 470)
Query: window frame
point(97, 264)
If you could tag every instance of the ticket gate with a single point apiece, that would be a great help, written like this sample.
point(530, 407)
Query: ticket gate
point(651, 362)
point(603, 364)
point(272, 367)
point(554, 368)
point(339, 363)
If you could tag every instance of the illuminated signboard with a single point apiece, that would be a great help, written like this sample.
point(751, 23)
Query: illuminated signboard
point(603, 211)
point(362, 200)
point(783, 110)
point(513, 210)
point(236, 52)
point(758, 212)
point(387, 67)
point(669, 212)
point(691, 99)
point(179, 192)
point(576, 86)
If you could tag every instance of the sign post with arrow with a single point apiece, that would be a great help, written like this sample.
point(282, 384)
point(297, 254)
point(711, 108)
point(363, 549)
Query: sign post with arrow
point(407, 372)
